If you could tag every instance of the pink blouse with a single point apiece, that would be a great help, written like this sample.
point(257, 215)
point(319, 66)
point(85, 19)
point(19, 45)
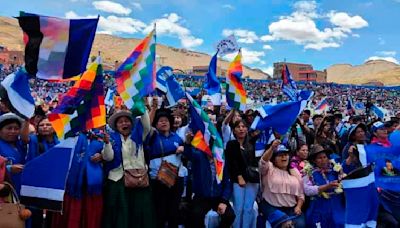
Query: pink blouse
point(280, 189)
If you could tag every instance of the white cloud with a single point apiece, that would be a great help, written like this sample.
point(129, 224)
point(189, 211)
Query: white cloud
point(104, 32)
point(389, 59)
point(355, 35)
point(248, 56)
point(111, 7)
point(269, 70)
point(228, 6)
point(267, 38)
point(113, 24)
point(267, 47)
point(137, 6)
point(171, 24)
point(242, 35)
point(71, 15)
point(343, 20)
point(387, 53)
point(301, 27)
point(321, 45)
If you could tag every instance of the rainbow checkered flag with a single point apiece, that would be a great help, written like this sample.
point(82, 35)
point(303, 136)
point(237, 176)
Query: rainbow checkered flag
point(235, 92)
point(204, 130)
point(136, 77)
point(82, 108)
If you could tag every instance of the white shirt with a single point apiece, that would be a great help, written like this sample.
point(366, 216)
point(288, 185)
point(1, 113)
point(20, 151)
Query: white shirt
point(129, 157)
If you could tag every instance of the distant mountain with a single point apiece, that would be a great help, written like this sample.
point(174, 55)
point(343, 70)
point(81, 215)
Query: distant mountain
point(381, 71)
point(115, 48)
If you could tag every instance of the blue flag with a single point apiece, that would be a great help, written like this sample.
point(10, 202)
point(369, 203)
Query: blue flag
point(350, 106)
point(288, 84)
point(379, 112)
point(174, 91)
point(387, 162)
point(162, 74)
point(212, 84)
point(280, 117)
point(19, 93)
point(56, 48)
point(44, 178)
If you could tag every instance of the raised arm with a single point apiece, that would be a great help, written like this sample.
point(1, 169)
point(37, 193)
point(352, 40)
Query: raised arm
point(153, 109)
point(107, 153)
point(268, 153)
point(229, 117)
point(25, 132)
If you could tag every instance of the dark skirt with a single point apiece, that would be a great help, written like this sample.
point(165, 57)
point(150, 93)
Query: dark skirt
point(126, 207)
point(85, 212)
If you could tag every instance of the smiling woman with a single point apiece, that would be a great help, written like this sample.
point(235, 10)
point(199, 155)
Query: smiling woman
point(282, 187)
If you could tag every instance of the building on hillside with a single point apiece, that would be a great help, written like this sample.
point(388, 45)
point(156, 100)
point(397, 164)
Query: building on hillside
point(300, 72)
point(321, 76)
point(202, 70)
point(11, 58)
point(374, 83)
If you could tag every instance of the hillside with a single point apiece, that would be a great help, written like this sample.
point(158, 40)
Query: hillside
point(378, 70)
point(116, 48)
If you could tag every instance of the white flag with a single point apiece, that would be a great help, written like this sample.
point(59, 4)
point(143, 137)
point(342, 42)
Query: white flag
point(227, 45)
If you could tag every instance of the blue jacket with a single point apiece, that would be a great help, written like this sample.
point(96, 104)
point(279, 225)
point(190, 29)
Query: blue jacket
point(204, 183)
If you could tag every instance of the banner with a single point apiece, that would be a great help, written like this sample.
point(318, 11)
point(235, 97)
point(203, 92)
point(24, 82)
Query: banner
point(227, 46)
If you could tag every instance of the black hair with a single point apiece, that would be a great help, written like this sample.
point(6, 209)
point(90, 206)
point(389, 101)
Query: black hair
point(300, 144)
point(40, 137)
point(9, 121)
point(308, 112)
point(235, 124)
point(317, 116)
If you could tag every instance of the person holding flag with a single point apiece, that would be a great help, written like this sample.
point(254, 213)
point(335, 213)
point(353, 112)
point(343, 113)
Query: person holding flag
point(127, 204)
point(209, 193)
point(165, 148)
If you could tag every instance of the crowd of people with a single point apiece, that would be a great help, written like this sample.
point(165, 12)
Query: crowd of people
point(150, 175)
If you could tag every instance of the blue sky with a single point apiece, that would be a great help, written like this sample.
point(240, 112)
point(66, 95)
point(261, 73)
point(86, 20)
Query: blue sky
point(321, 33)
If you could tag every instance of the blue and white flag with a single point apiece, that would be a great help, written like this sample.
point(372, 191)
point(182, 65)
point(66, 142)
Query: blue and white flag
point(212, 84)
point(109, 99)
point(44, 178)
point(169, 86)
point(162, 74)
point(378, 111)
point(227, 45)
point(279, 117)
point(174, 91)
point(19, 93)
point(350, 107)
point(359, 106)
point(387, 162)
point(362, 201)
point(288, 84)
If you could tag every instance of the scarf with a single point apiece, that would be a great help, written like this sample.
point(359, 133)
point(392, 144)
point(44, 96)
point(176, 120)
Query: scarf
point(381, 142)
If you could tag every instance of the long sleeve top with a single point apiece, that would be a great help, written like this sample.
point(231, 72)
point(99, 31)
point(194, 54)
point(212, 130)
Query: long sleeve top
point(132, 157)
point(235, 159)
